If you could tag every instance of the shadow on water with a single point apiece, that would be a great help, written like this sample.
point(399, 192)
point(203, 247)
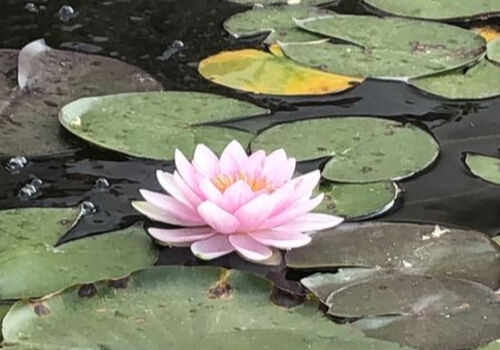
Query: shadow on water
point(138, 32)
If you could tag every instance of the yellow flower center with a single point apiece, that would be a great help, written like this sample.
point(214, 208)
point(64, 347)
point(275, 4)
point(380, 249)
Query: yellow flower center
point(257, 184)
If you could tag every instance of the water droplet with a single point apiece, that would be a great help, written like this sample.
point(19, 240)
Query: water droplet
point(15, 164)
point(27, 192)
point(174, 48)
point(31, 7)
point(66, 13)
point(102, 184)
point(88, 208)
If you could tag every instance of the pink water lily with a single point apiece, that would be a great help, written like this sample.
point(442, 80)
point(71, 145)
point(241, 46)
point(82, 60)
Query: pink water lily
point(248, 204)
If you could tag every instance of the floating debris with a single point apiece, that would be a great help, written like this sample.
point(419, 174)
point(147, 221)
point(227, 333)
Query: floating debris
point(66, 13)
point(16, 164)
point(173, 49)
point(102, 184)
point(88, 208)
point(31, 7)
point(28, 192)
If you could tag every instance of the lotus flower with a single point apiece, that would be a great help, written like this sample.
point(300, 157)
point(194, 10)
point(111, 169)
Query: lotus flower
point(248, 204)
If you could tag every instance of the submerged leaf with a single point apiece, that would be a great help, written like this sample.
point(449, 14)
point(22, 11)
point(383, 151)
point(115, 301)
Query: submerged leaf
point(484, 167)
point(477, 82)
point(180, 308)
point(437, 9)
point(153, 125)
point(385, 48)
point(362, 149)
point(411, 248)
point(278, 22)
point(31, 265)
point(263, 73)
point(357, 201)
point(47, 80)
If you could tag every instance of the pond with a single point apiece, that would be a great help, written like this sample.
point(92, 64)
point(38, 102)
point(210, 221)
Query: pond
point(419, 186)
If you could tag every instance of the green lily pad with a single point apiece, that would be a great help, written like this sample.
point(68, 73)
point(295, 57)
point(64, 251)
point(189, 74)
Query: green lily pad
point(357, 201)
point(36, 81)
point(477, 82)
point(484, 167)
point(177, 308)
point(153, 125)
point(411, 248)
point(420, 311)
point(437, 9)
point(282, 2)
point(362, 149)
point(31, 266)
point(492, 346)
point(385, 48)
point(277, 21)
point(494, 50)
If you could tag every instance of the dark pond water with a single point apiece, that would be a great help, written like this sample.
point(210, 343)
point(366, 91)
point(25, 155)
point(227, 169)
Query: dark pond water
point(138, 32)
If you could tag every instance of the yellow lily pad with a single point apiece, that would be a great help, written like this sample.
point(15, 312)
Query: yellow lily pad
point(488, 33)
point(272, 74)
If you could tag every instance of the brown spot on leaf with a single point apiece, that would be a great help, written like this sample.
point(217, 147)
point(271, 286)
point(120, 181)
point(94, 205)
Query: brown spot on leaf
point(366, 169)
point(87, 291)
point(286, 299)
point(41, 309)
point(222, 290)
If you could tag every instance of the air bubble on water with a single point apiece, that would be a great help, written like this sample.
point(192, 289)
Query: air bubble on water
point(66, 13)
point(31, 7)
point(28, 192)
point(88, 208)
point(174, 48)
point(15, 164)
point(102, 184)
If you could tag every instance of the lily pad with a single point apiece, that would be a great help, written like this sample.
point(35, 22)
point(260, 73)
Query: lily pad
point(385, 48)
point(484, 167)
point(412, 248)
point(36, 81)
point(362, 149)
point(32, 266)
point(153, 125)
point(263, 73)
point(420, 311)
point(282, 2)
point(178, 308)
point(357, 201)
point(477, 82)
point(278, 22)
point(437, 9)
point(494, 50)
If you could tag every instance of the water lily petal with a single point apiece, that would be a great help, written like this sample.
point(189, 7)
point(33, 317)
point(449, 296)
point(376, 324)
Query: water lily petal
point(253, 165)
point(187, 171)
point(212, 248)
point(281, 239)
point(219, 219)
point(311, 222)
point(168, 183)
point(281, 172)
point(194, 199)
point(303, 187)
point(252, 214)
point(276, 157)
point(249, 248)
point(232, 158)
point(181, 237)
point(237, 195)
point(173, 206)
point(155, 213)
point(205, 161)
point(293, 212)
point(210, 192)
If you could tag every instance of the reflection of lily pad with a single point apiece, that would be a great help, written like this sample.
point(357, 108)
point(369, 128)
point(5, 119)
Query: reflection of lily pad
point(477, 82)
point(386, 48)
point(412, 248)
point(277, 21)
point(362, 149)
point(31, 266)
point(46, 80)
point(484, 167)
point(357, 200)
point(153, 125)
point(423, 312)
point(178, 308)
point(437, 9)
point(260, 72)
